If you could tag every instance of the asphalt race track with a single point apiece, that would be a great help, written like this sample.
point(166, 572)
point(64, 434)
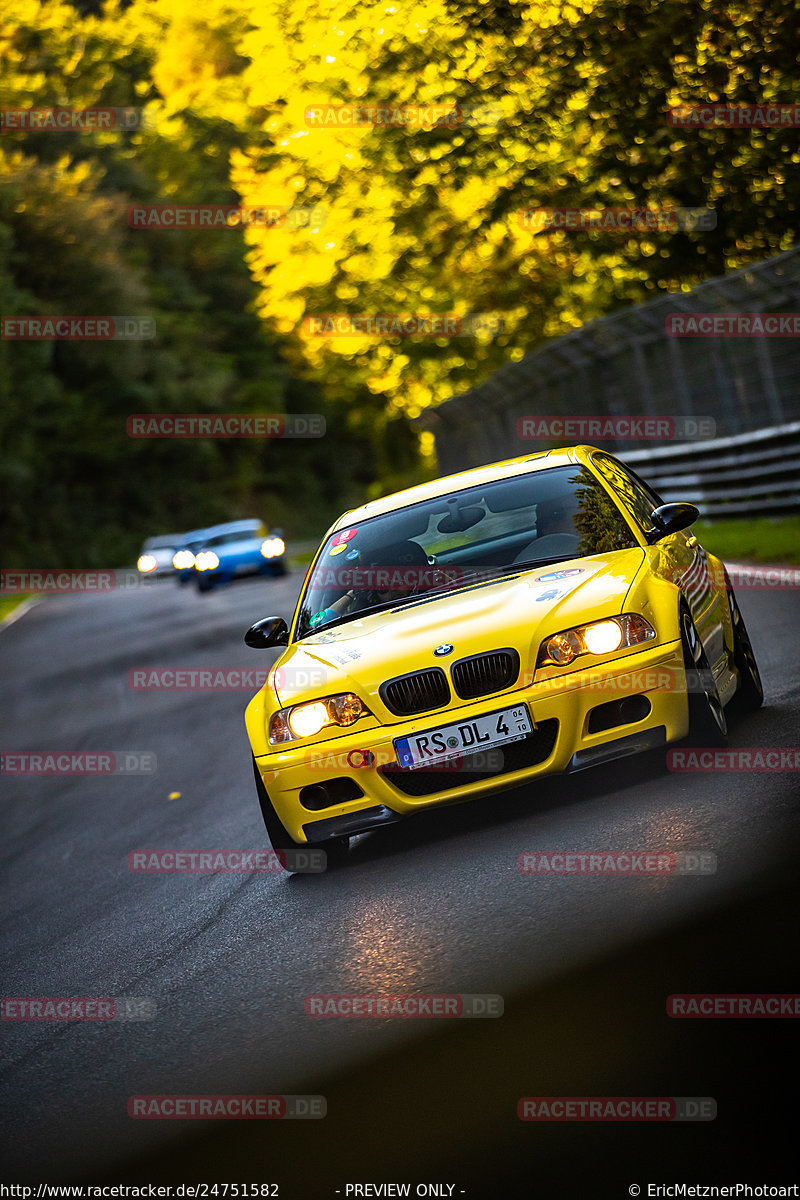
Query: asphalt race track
point(222, 963)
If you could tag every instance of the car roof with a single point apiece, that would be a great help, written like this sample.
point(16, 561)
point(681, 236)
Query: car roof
point(225, 527)
point(465, 479)
point(160, 540)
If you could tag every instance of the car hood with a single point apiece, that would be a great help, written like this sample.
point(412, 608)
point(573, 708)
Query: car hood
point(245, 545)
point(515, 612)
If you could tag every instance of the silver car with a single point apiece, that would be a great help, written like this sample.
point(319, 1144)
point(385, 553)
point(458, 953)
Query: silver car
point(157, 553)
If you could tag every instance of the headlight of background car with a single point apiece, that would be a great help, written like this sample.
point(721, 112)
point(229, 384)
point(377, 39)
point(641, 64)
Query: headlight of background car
point(272, 547)
point(304, 720)
point(206, 560)
point(182, 560)
point(599, 637)
point(146, 563)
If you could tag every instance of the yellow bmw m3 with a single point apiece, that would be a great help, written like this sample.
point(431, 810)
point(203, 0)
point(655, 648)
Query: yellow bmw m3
point(535, 616)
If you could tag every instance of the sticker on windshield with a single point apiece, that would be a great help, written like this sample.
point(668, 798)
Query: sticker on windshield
point(352, 555)
point(560, 574)
point(345, 536)
point(337, 549)
point(317, 617)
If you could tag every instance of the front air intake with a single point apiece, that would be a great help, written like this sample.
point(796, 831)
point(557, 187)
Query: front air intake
point(485, 673)
point(418, 692)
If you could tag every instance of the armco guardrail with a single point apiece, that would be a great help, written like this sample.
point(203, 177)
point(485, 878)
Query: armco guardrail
point(753, 474)
point(632, 364)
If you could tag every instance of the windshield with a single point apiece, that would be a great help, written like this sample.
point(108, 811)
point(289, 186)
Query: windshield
point(477, 533)
point(236, 535)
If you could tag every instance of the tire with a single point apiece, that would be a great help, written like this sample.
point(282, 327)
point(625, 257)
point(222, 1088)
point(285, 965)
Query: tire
point(750, 693)
point(707, 722)
point(280, 839)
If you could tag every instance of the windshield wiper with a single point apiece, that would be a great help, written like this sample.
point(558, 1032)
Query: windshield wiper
point(536, 562)
point(477, 577)
point(486, 574)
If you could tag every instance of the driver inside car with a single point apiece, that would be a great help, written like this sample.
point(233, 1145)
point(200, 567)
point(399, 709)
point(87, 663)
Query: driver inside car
point(555, 530)
point(401, 563)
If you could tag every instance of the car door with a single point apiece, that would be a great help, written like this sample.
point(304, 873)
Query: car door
point(679, 557)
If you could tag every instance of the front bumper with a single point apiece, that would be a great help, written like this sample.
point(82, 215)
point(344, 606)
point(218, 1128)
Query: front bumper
point(246, 569)
point(561, 706)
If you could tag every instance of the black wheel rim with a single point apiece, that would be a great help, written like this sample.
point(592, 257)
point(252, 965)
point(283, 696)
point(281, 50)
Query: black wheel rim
point(703, 675)
point(744, 654)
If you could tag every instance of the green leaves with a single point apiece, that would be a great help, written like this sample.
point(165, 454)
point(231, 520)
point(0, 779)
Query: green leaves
point(557, 104)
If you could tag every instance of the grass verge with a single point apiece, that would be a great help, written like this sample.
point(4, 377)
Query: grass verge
point(765, 539)
point(9, 603)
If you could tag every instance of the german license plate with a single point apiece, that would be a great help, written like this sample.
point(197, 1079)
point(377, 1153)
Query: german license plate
point(463, 737)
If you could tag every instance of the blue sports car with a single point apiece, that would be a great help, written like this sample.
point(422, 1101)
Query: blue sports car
point(238, 549)
point(183, 558)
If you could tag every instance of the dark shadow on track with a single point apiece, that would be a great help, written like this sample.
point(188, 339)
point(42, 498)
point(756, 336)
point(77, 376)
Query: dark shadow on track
point(446, 1109)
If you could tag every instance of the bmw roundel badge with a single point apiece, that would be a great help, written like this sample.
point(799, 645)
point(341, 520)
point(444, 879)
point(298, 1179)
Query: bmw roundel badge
point(440, 651)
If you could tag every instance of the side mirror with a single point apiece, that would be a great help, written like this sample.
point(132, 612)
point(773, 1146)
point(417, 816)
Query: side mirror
point(671, 518)
point(271, 631)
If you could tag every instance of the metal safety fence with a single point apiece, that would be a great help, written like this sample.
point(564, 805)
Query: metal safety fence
point(754, 474)
point(640, 363)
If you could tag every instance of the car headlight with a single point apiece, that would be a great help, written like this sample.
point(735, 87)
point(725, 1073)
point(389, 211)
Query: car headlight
point(146, 563)
point(603, 637)
point(304, 720)
point(273, 547)
point(182, 560)
point(206, 560)
point(599, 637)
